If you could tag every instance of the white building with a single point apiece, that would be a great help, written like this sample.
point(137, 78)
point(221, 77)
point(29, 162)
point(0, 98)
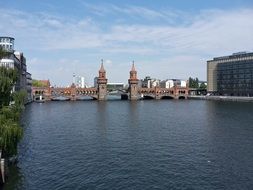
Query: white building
point(16, 60)
point(169, 83)
point(7, 43)
point(80, 82)
point(183, 83)
point(8, 63)
point(149, 82)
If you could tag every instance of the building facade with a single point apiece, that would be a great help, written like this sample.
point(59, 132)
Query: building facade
point(80, 82)
point(7, 43)
point(149, 82)
point(169, 83)
point(231, 75)
point(115, 86)
point(95, 82)
point(16, 60)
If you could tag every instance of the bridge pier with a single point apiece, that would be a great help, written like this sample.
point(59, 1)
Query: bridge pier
point(102, 83)
point(73, 92)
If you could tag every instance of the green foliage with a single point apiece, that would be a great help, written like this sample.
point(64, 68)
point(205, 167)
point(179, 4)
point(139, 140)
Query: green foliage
point(10, 134)
point(193, 83)
point(37, 83)
point(19, 98)
point(10, 131)
point(8, 77)
point(202, 86)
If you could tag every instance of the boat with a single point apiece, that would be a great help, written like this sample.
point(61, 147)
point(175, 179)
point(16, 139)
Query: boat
point(40, 100)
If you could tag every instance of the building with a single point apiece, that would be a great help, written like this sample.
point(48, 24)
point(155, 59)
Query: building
point(7, 43)
point(146, 82)
point(95, 82)
point(29, 86)
point(115, 86)
point(231, 75)
point(80, 82)
point(16, 60)
point(149, 82)
point(22, 70)
point(155, 83)
point(169, 83)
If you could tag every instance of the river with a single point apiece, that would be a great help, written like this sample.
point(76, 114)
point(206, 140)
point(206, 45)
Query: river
point(152, 144)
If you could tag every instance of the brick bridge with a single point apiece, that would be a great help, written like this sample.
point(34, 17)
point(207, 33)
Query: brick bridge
point(134, 92)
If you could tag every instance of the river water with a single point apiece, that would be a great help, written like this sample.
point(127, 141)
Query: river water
point(156, 144)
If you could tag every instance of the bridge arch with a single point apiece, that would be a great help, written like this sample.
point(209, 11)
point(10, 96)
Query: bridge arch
point(167, 97)
point(86, 97)
point(181, 97)
point(148, 97)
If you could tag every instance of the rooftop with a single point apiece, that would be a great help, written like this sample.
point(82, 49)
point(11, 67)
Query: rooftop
point(7, 37)
point(234, 55)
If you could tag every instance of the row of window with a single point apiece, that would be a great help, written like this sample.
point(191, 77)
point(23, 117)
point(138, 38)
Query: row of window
point(236, 86)
point(236, 65)
point(8, 40)
point(7, 65)
point(241, 81)
point(234, 59)
point(231, 77)
point(233, 71)
point(6, 46)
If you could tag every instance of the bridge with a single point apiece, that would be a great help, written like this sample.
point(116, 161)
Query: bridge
point(134, 92)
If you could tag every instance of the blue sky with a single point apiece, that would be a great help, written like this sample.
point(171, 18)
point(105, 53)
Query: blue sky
point(167, 39)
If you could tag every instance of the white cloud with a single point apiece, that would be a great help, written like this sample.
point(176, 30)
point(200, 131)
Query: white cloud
point(168, 48)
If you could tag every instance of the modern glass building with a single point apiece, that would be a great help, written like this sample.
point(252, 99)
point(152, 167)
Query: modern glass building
point(231, 75)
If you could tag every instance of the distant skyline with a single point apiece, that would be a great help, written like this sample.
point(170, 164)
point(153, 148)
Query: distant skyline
point(167, 39)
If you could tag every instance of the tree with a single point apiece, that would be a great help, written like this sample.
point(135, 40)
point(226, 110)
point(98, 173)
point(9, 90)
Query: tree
point(202, 86)
point(37, 83)
point(193, 83)
point(10, 135)
point(8, 78)
point(10, 130)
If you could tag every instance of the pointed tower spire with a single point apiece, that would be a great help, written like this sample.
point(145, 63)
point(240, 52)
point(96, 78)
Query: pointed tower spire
point(102, 66)
point(133, 84)
point(133, 68)
point(102, 82)
point(133, 72)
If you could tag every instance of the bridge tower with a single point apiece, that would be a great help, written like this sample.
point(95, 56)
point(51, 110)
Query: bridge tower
point(133, 84)
point(102, 83)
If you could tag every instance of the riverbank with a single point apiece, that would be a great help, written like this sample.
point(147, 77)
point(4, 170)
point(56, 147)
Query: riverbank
point(223, 98)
